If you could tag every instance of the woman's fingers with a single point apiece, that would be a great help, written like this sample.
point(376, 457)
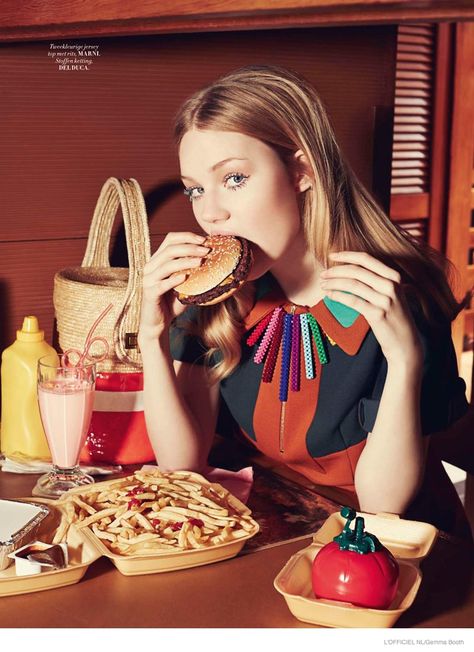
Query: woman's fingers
point(366, 260)
point(366, 276)
point(164, 271)
point(178, 237)
point(371, 312)
point(361, 282)
point(184, 245)
point(183, 236)
point(175, 251)
point(357, 288)
point(167, 269)
point(178, 265)
point(171, 282)
point(374, 290)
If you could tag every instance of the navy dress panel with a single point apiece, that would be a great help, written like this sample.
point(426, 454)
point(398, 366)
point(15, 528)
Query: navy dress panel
point(350, 388)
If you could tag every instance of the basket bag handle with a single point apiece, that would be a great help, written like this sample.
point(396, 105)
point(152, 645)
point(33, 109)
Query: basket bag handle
point(128, 194)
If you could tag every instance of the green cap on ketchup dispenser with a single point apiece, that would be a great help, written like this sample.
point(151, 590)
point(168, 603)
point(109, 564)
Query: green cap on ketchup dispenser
point(30, 331)
point(356, 540)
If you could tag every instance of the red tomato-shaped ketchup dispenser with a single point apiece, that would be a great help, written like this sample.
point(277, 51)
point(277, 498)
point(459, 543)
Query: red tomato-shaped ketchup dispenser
point(355, 567)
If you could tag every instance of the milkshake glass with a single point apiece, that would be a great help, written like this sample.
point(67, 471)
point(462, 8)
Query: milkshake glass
point(66, 399)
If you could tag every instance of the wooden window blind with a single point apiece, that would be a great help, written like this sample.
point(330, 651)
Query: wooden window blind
point(413, 102)
point(413, 109)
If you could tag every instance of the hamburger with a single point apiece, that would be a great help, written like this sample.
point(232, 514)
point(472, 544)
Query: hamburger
point(222, 272)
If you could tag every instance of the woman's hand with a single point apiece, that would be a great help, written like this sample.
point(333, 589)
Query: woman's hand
point(375, 292)
point(177, 252)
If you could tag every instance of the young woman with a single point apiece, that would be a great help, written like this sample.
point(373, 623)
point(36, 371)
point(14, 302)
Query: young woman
point(375, 370)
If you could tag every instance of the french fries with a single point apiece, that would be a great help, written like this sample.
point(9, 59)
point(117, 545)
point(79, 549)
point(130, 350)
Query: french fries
point(153, 512)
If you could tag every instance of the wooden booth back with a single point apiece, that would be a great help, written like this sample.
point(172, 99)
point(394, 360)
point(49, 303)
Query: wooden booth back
point(64, 132)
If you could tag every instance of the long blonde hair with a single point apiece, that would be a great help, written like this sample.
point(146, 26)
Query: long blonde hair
point(283, 110)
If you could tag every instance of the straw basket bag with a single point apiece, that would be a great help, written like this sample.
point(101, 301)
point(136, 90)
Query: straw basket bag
point(117, 432)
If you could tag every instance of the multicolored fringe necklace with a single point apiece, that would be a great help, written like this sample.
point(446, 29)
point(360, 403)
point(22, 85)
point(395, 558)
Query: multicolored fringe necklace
point(282, 329)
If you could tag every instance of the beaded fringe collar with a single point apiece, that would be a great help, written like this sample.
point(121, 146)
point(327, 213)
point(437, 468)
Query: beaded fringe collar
point(282, 329)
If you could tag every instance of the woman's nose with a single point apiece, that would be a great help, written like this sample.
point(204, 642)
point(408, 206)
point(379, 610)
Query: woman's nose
point(213, 210)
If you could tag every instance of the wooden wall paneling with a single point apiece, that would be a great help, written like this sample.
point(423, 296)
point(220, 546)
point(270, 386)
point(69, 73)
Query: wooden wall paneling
point(469, 316)
point(26, 281)
point(408, 206)
point(33, 20)
point(461, 156)
point(442, 97)
point(64, 133)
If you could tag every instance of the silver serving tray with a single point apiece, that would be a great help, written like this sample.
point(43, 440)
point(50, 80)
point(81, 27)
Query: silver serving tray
point(19, 523)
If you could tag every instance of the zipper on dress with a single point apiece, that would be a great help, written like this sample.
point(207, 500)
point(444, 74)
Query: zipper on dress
point(283, 411)
point(282, 426)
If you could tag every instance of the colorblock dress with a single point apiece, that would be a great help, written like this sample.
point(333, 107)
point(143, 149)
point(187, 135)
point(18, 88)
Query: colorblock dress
point(307, 389)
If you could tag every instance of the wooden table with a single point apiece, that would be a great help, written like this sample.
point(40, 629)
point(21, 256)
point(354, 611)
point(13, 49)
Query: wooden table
point(235, 593)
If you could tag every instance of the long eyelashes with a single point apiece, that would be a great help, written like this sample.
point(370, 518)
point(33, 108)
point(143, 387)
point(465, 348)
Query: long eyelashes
point(189, 192)
point(240, 183)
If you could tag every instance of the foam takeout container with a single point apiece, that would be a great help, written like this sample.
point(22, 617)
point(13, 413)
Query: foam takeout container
point(19, 522)
point(84, 547)
point(164, 561)
point(409, 542)
point(80, 556)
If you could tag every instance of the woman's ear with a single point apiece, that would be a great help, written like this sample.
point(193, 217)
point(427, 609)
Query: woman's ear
point(302, 173)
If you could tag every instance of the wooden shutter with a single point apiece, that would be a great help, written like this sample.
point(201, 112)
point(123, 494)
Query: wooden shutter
point(413, 102)
point(410, 179)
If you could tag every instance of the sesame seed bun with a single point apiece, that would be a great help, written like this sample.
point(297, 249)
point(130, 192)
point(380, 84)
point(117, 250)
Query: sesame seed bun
point(222, 272)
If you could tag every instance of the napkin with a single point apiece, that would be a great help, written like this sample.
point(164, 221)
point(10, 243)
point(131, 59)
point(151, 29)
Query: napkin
point(239, 483)
point(37, 466)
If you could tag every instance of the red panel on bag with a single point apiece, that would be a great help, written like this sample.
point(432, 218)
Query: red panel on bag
point(118, 437)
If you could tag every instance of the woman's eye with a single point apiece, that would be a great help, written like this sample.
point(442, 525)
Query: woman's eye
point(193, 193)
point(235, 180)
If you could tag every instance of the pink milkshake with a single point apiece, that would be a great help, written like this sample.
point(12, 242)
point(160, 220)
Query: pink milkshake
point(66, 409)
point(66, 398)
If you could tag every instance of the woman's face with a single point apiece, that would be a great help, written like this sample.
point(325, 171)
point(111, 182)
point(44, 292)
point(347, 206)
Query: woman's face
point(238, 185)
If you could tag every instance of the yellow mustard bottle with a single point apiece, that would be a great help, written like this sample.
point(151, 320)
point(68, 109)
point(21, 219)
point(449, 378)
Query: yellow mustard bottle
point(22, 434)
